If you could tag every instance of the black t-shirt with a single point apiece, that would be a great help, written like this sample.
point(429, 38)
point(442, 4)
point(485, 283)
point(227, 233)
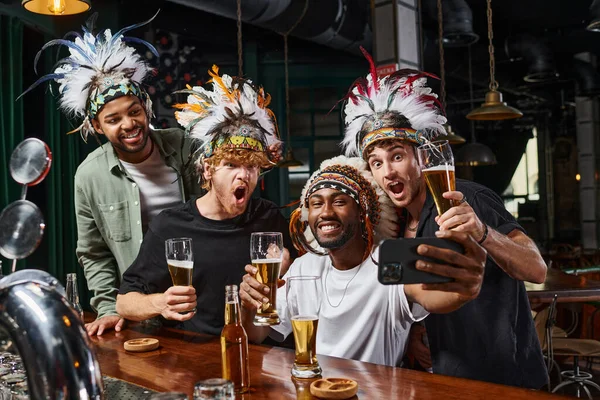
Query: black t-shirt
point(221, 250)
point(492, 338)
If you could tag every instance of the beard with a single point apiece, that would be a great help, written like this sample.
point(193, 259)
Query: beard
point(134, 148)
point(228, 198)
point(335, 243)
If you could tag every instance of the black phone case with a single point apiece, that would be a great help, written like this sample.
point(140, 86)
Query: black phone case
point(397, 258)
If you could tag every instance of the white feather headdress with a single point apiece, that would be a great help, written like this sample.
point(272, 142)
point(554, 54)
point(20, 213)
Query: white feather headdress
point(233, 115)
point(352, 176)
point(398, 106)
point(99, 69)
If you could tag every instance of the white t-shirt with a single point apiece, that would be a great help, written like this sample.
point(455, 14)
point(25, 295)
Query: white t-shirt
point(371, 322)
point(158, 184)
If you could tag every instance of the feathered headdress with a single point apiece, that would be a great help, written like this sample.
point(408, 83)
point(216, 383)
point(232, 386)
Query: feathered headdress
point(398, 106)
point(99, 69)
point(350, 175)
point(234, 115)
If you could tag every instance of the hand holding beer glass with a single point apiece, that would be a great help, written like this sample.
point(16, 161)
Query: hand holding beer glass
point(304, 304)
point(266, 253)
point(180, 260)
point(437, 163)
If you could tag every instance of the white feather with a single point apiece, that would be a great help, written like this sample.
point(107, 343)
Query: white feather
point(216, 113)
point(421, 116)
point(75, 86)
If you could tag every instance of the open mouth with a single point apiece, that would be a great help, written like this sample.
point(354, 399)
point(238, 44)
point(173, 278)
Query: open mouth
point(396, 187)
point(240, 194)
point(132, 136)
point(329, 227)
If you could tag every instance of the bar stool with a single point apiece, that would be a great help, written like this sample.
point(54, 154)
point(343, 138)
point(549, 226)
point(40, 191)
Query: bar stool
point(570, 347)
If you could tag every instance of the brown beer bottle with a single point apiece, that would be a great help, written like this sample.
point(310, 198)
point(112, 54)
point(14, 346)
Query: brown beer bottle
point(234, 344)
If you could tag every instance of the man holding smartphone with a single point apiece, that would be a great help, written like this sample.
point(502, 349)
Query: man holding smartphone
point(359, 318)
point(492, 338)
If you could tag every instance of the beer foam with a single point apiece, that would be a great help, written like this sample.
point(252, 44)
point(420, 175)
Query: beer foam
point(181, 264)
point(305, 318)
point(440, 168)
point(267, 261)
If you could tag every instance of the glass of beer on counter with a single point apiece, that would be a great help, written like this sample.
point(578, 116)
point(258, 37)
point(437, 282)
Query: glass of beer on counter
point(437, 163)
point(303, 295)
point(266, 253)
point(180, 260)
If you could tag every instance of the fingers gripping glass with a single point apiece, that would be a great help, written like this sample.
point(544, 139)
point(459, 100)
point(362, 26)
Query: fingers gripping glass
point(266, 253)
point(180, 260)
point(304, 303)
point(437, 163)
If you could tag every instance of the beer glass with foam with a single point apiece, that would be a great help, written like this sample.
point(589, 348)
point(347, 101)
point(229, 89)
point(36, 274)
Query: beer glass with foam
point(437, 164)
point(266, 253)
point(180, 260)
point(303, 295)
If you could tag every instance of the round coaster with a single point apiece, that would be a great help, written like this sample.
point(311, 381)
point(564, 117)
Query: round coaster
point(334, 388)
point(142, 344)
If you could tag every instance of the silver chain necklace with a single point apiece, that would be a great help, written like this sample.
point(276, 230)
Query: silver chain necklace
point(346, 288)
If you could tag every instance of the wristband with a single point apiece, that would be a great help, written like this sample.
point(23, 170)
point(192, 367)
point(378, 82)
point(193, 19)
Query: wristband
point(485, 233)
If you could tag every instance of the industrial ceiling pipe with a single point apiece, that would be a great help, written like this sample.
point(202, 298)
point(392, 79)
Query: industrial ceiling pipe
point(586, 78)
point(458, 24)
point(537, 55)
point(341, 24)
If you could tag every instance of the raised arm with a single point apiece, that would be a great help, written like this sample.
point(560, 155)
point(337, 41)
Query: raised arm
point(514, 252)
point(466, 269)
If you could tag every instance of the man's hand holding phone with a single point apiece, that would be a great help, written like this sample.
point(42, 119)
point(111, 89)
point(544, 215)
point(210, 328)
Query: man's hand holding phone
point(466, 270)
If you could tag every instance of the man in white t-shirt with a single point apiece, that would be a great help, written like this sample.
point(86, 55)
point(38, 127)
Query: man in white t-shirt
point(360, 318)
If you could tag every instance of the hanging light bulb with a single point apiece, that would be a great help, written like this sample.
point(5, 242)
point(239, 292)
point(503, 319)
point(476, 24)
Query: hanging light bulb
point(56, 7)
point(494, 109)
point(450, 136)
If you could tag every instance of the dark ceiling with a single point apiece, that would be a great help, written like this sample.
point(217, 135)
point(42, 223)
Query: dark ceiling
point(533, 29)
point(524, 32)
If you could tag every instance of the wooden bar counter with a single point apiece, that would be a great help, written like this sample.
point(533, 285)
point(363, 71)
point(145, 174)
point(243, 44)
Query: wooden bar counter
point(184, 358)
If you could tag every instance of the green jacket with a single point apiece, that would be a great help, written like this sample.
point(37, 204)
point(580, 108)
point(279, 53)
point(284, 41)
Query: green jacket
point(108, 213)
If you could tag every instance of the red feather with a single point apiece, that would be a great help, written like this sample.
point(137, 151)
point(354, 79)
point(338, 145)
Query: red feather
point(372, 68)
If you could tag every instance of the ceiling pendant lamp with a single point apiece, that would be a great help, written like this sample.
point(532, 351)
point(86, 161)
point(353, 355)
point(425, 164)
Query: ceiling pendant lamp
point(474, 154)
point(450, 136)
point(494, 109)
point(594, 25)
point(56, 7)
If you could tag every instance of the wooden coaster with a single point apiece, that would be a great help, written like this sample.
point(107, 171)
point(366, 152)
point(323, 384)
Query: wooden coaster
point(334, 388)
point(142, 344)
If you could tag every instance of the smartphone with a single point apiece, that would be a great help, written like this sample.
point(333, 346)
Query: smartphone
point(397, 258)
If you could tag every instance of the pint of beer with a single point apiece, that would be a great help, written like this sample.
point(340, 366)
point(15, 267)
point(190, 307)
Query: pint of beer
point(268, 274)
point(181, 272)
point(303, 295)
point(437, 165)
point(266, 253)
point(180, 261)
